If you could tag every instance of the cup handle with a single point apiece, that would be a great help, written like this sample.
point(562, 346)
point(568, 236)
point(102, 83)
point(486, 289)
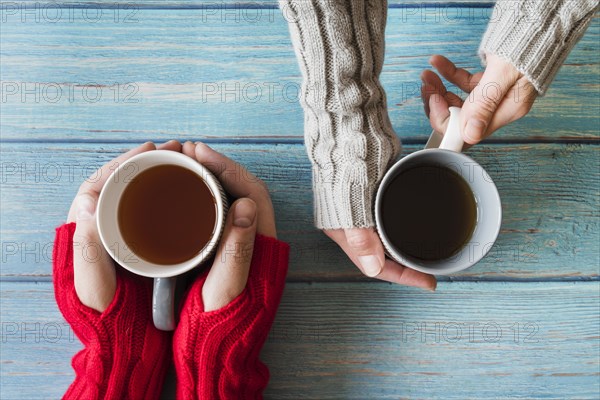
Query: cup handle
point(452, 138)
point(163, 301)
point(434, 141)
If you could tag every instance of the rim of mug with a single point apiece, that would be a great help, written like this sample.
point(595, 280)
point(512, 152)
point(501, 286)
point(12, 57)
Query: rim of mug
point(163, 270)
point(389, 248)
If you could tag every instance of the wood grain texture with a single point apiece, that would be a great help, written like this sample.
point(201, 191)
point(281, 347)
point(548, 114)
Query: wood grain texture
point(225, 71)
point(217, 4)
point(551, 207)
point(369, 341)
point(233, 74)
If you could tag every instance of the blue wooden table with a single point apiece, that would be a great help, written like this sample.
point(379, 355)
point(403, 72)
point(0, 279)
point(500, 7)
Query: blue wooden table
point(82, 83)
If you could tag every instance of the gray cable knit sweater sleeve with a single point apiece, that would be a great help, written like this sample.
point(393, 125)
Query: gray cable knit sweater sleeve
point(348, 135)
point(340, 48)
point(537, 35)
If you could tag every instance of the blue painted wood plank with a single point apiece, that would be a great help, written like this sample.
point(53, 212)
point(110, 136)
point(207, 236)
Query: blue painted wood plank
point(369, 341)
point(187, 73)
point(551, 207)
point(202, 4)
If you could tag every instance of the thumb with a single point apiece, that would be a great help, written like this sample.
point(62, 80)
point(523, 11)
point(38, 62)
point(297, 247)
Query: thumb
point(93, 269)
point(483, 101)
point(229, 273)
point(367, 247)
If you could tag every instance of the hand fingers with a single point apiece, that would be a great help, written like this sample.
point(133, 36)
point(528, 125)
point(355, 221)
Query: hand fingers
point(366, 246)
point(229, 273)
point(479, 109)
point(339, 236)
point(460, 77)
point(396, 273)
point(93, 269)
point(432, 86)
point(189, 149)
point(488, 107)
point(516, 104)
point(391, 271)
point(438, 113)
point(238, 182)
point(172, 145)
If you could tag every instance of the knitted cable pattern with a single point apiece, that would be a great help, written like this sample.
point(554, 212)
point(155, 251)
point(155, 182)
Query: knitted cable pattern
point(217, 352)
point(124, 355)
point(536, 36)
point(339, 45)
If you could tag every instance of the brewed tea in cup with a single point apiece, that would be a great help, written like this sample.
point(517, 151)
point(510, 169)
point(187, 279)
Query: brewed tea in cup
point(437, 210)
point(161, 214)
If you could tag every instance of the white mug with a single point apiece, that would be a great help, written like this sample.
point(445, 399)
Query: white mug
point(112, 239)
point(446, 152)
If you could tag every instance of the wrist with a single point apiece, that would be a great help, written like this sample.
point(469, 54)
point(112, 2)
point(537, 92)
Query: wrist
point(124, 355)
point(535, 38)
point(343, 205)
point(344, 191)
point(216, 352)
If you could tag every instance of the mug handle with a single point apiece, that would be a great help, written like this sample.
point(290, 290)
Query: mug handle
point(452, 139)
point(163, 302)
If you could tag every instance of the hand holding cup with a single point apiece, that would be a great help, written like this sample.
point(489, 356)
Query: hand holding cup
point(94, 269)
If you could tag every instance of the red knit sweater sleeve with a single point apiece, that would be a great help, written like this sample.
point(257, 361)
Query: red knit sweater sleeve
point(217, 352)
point(124, 355)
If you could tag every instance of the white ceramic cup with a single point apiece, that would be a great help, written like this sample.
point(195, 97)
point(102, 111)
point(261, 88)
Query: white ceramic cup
point(446, 152)
point(112, 239)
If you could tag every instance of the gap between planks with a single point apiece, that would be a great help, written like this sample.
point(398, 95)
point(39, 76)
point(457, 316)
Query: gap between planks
point(360, 280)
point(232, 4)
point(291, 141)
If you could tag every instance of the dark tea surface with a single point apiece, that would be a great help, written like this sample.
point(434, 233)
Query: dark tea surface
point(429, 212)
point(167, 214)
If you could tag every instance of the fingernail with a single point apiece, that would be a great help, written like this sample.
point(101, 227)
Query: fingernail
point(244, 213)
point(371, 265)
point(201, 144)
point(434, 287)
point(474, 130)
point(85, 208)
